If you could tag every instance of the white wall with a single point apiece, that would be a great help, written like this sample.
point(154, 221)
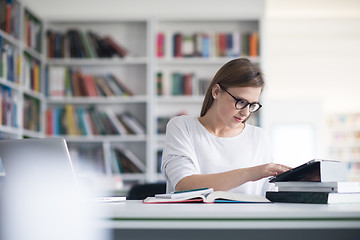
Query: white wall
point(144, 8)
point(312, 58)
point(313, 51)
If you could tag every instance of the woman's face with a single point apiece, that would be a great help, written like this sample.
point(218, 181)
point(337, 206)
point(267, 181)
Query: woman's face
point(225, 104)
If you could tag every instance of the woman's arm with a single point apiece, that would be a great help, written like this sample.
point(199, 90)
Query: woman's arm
point(228, 180)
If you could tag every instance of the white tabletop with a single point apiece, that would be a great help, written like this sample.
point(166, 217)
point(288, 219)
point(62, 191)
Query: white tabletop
point(135, 214)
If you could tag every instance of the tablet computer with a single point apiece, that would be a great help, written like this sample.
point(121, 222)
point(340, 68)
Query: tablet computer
point(309, 171)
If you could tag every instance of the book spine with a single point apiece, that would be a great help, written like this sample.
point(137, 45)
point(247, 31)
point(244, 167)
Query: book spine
point(298, 197)
point(33, 28)
point(160, 48)
point(78, 44)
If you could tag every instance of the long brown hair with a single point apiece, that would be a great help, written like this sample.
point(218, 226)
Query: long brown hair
point(240, 72)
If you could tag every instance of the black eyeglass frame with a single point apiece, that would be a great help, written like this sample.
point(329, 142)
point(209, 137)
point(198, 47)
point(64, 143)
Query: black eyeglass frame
point(241, 99)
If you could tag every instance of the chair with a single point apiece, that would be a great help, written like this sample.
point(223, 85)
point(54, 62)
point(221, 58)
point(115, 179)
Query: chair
point(142, 191)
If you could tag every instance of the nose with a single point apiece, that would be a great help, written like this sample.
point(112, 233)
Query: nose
point(245, 111)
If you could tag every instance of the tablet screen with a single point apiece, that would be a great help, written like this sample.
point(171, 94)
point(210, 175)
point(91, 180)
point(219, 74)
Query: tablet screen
point(309, 171)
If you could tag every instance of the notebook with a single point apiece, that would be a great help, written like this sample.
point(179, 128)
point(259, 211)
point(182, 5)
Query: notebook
point(34, 162)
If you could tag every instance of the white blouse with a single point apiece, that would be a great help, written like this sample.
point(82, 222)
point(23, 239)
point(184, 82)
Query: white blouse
point(191, 149)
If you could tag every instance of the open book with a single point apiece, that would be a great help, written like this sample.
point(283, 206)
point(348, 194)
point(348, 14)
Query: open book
point(212, 197)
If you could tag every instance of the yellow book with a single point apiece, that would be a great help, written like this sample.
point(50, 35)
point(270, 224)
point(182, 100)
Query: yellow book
point(18, 70)
point(70, 119)
point(36, 78)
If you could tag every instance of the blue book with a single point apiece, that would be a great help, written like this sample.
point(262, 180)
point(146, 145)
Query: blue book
point(81, 120)
point(229, 45)
point(206, 46)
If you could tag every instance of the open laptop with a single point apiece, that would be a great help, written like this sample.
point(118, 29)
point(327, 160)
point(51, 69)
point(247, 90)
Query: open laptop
point(41, 162)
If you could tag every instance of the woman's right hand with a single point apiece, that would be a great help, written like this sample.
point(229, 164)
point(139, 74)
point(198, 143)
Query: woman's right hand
point(267, 170)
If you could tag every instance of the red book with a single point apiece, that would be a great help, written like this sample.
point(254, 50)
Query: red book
point(49, 122)
point(90, 86)
point(222, 45)
point(178, 43)
point(188, 84)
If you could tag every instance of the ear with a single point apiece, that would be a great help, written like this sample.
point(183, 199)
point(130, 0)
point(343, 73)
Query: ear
point(215, 91)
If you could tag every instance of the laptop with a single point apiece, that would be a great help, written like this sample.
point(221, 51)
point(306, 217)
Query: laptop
point(41, 162)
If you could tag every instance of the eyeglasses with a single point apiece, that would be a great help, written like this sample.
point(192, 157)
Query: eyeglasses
point(241, 103)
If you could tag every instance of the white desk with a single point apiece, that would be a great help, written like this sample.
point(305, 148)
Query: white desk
point(257, 221)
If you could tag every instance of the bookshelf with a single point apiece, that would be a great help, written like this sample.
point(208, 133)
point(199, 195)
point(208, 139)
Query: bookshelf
point(21, 79)
point(344, 140)
point(91, 95)
point(51, 97)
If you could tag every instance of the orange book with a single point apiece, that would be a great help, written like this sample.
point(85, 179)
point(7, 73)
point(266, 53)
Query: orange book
point(8, 18)
point(49, 122)
point(36, 77)
point(90, 86)
point(253, 44)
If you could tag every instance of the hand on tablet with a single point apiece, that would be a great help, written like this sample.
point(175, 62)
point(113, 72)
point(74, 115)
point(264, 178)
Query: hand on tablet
point(268, 170)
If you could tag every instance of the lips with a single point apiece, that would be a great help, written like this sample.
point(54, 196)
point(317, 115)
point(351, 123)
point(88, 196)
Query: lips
point(238, 119)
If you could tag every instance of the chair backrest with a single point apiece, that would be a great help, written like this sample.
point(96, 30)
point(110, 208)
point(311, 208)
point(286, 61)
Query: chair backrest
point(142, 191)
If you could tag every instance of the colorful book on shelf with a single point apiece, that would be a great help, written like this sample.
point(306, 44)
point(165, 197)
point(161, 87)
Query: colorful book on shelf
point(126, 90)
point(8, 106)
point(115, 121)
point(133, 158)
point(77, 44)
point(120, 50)
point(70, 120)
point(160, 48)
point(159, 84)
point(127, 161)
point(10, 17)
point(207, 195)
point(253, 44)
point(32, 31)
point(131, 123)
point(313, 197)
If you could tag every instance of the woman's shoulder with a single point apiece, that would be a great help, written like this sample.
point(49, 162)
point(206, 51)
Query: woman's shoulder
point(255, 130)
point(182, 121)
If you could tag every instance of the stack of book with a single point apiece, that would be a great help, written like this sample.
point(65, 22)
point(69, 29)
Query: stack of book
point(317, 181)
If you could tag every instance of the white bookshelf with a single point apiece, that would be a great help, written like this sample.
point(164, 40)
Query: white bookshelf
point(133, 70)
point(20, 87)
point(344, 141)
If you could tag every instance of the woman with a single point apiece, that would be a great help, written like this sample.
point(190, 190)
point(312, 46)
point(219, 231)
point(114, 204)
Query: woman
point(218, 149)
